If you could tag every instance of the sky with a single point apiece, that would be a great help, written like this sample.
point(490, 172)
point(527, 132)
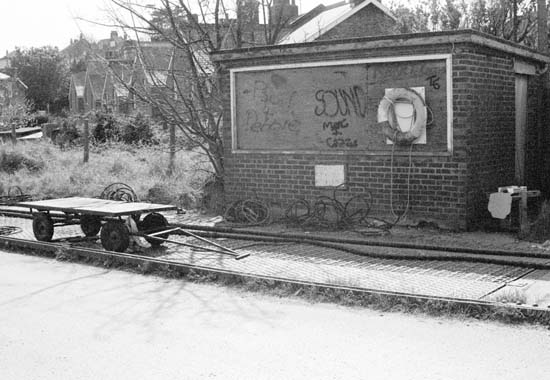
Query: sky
point(36, 23)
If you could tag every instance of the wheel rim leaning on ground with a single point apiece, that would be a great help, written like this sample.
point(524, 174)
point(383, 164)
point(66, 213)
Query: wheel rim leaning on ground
point(152, 222)
point(90, 224)
point(115, 236)
point(42, 227)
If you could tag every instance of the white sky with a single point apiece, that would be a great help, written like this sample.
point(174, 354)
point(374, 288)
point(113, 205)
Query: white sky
point(36, 23)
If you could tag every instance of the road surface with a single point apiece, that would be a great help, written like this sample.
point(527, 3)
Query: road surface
point(63, 320)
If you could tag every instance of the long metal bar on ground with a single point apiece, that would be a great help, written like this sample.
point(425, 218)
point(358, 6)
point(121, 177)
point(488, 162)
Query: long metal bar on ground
point(208, 241)
point(237, 255)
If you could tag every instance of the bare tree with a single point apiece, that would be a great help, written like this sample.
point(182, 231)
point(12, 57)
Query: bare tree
point(184, 87)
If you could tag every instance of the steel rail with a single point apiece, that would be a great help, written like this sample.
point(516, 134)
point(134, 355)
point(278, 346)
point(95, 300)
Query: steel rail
point(353, 246)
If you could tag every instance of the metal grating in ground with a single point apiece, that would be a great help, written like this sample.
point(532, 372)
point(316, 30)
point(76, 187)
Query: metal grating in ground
point(309, 263)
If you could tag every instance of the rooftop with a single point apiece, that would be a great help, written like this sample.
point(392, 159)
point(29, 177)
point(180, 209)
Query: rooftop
point(325, 18)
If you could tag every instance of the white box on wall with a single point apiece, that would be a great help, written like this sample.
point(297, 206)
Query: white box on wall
point(330, 175)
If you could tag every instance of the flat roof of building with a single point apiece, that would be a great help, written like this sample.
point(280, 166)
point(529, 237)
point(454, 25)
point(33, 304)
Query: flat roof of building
point(381, 42)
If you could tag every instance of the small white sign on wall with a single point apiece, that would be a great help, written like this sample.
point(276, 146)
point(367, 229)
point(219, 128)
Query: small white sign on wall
point(330, 175)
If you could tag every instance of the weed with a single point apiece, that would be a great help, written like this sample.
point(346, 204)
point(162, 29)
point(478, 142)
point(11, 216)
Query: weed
point(62, 255)
point(13, 161)
point(510, 296)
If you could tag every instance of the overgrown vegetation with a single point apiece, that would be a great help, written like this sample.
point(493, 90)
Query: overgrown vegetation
point(13, 161)
point(47, 171)
point(126, 129)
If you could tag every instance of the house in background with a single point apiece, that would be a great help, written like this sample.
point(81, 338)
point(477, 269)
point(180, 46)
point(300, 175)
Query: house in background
point(346, 19)
point(116, 97)
point(76, 93)
point(5, 61)
point(152, 75)
point(94, 82)
point(12, 94)
point(125, 76)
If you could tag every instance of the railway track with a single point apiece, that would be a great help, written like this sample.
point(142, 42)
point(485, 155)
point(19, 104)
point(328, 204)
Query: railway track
point(492, 269)
point(361, 247)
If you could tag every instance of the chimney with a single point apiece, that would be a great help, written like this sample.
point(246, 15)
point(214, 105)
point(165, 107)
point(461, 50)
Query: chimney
point(114, 35)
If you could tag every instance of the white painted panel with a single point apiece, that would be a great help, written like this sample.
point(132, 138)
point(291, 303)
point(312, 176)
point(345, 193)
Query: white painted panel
point(330, 175)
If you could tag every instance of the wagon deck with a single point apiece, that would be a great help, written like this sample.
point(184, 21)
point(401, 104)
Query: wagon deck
point(104, 216)
point(94, 206)
point(100, 215)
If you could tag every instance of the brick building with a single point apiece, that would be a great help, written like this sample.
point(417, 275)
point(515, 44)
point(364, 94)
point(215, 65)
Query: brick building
point(12, 95)
point(303, 118)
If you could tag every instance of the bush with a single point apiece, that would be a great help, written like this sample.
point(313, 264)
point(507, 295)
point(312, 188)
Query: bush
point(68, 134)
point(137, 131)
point(129, 130)
point(11, 162)
point(105, 129)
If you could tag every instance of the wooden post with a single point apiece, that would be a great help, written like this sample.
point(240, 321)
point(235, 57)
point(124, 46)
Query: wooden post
point(172, 149)
point(86, 141)
point(13, 134)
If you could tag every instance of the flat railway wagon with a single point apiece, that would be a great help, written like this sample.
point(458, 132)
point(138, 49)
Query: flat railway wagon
point(108, 217)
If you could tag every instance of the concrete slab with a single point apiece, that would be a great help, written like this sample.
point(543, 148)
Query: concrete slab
point(533, 289)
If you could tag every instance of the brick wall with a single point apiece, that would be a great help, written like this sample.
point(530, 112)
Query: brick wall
point(450, 189)
point(369, 21)
point(484, 102)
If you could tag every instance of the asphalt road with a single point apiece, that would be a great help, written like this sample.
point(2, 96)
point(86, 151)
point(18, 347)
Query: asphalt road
point(68, 321)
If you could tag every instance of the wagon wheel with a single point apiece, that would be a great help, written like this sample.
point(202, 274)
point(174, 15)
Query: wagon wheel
point(42, 227)
point(151, 223)
point(115, 236)
point(90, 224)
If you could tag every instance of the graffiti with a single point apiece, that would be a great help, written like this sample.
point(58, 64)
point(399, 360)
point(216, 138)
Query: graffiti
point(274, 111)
point(267, 121)
point(335, 126)
point(341, 142)
point(341, 102)
point(434, 81)
point(264, 93)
